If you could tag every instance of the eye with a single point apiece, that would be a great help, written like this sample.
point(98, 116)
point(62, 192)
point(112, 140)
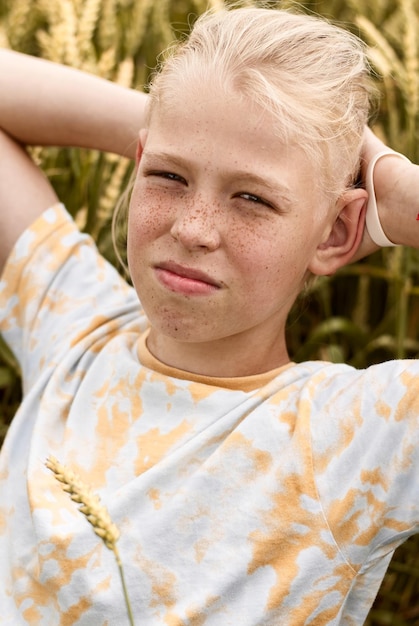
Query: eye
point(166, 176)
point(250, 197)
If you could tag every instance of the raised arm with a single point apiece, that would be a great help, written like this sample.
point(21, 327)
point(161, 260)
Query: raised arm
point(396, 187)
point(24, 193)
point(43, 103)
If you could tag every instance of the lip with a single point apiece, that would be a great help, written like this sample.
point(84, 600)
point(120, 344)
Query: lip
point(186, 280)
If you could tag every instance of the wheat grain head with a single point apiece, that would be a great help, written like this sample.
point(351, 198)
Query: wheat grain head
point(89, 503)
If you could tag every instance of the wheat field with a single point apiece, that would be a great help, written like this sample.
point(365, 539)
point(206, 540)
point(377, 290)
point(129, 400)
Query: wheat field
point(367, 313)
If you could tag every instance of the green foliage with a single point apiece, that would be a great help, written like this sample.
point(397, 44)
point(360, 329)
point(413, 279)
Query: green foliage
point(367, 313)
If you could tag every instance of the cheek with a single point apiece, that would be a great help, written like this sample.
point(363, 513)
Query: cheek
point(270, 258)
point(147, 218)
point(255, 246)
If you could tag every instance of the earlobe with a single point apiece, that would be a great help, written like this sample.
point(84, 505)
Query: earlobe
point(344, 238)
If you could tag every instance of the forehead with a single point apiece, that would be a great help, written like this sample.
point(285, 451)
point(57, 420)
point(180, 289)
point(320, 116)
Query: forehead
point(226, 131)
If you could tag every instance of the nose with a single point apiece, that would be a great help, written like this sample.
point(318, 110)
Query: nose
point(197, 226)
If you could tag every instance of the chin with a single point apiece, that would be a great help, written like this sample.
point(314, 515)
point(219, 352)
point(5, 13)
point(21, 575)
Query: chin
point(176, 327)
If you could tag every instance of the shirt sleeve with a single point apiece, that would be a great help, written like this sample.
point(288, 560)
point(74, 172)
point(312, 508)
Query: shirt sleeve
point(365, 431)
point(57, 290)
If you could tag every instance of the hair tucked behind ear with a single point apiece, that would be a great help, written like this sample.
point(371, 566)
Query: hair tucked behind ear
point(311, 75)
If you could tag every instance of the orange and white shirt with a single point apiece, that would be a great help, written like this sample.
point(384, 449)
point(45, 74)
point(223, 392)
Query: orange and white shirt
point(264, 500)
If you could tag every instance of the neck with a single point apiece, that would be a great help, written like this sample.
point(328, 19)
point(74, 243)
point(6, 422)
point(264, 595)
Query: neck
point(224, 358)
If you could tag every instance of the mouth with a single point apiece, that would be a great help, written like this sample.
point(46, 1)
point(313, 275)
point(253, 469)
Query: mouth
point(185, 280)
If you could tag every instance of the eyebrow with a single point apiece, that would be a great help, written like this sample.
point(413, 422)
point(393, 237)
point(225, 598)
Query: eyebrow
point(246, 176)
point(273, 186)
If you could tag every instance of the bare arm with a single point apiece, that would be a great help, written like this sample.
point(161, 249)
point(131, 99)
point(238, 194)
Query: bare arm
point(43, 103)
point(396, 184)
point(24, 193)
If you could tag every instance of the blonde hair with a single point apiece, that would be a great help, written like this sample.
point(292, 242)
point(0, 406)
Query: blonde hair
point(312, 76)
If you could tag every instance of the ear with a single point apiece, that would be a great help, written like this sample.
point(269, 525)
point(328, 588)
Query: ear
point(343, 238)
point(142, 138)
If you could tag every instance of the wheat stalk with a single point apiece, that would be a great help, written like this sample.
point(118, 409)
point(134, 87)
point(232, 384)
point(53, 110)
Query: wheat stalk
point(52, 43)
point(95, 513)
point(17, 22)
point(68, 29)
point(410, 48)
point(161, 22)
point(107, 63)
point(110, 195)
point(138, 26)
point(125, 74)
point(87, 24)
point(203, 5)
point(390, 61)
point(108, 33)
point(4, 41)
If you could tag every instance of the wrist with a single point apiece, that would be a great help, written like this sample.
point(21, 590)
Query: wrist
point(391, 203)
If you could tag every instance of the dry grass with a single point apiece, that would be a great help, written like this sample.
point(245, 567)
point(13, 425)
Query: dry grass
point(370, 311)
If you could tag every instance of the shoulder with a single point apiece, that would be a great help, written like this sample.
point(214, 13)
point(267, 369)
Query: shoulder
point(57, 285)
point(364, 425)
point(390, 383)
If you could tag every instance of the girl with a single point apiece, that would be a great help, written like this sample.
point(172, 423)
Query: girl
point(247, 489)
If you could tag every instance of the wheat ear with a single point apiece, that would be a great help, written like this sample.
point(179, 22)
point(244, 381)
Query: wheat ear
point(95, 513)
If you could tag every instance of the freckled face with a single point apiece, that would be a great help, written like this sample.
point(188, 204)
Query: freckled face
point(224, 220)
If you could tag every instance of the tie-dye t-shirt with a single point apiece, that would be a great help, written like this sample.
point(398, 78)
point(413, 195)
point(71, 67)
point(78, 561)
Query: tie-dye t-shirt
point(267, 500)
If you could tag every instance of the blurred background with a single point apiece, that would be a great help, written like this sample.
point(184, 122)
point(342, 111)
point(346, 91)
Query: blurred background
point(368, 312)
